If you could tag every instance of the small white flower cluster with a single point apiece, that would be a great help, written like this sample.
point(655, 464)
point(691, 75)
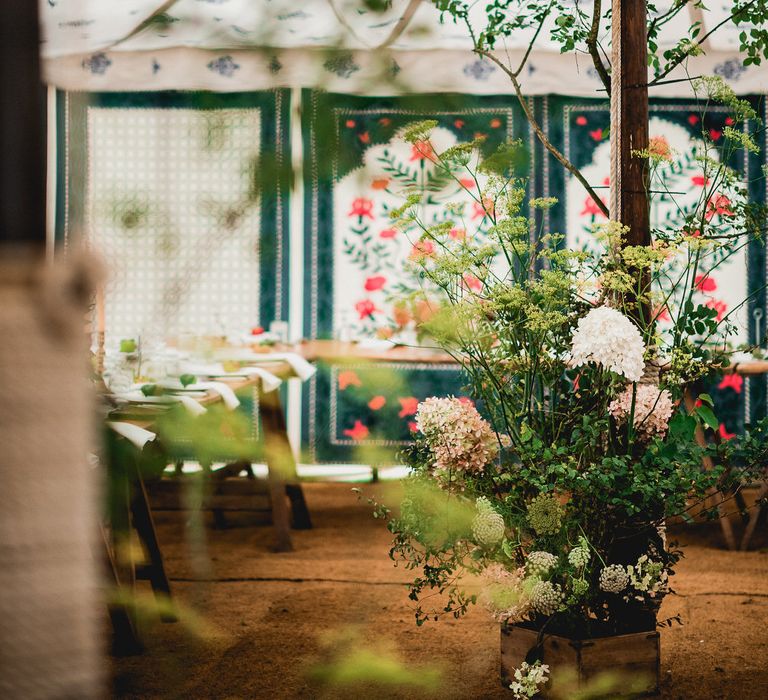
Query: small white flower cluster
point(488, 525)
point(647, 577)
point(609, 338)
point(546, 597)
point(539, 564)
point(528, 678)
point(644, 578)
point(579, 556)
point(614, 578)
point(653, 409)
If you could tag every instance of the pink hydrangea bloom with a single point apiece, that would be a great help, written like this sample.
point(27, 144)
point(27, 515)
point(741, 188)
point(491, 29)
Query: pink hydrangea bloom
point(653, 409)
point(458, 436)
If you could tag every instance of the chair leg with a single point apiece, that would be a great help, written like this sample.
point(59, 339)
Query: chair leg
point(145, 527)
point(754, 517)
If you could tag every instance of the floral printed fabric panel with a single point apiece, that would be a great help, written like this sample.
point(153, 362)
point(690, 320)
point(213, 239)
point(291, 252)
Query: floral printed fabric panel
point(678, 185)
point(174, 204)
point(368, 410)
point(357, 168)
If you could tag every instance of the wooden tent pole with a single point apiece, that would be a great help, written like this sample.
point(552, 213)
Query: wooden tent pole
point(22, 166)
point(629, 125)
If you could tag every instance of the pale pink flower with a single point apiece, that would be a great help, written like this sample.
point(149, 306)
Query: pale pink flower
point(653, 409)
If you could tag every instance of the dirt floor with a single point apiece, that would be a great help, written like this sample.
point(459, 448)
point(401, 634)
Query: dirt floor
point(304, 624)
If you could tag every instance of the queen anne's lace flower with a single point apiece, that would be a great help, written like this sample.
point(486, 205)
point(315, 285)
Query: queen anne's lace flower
point(579, 556)
point(609, 338)
point(613, 578)
point(539, 564)
point(546, 597)
point(545, 514)
point(488, 525)
point(459, 438)
point(505, 593)
point(653, 409)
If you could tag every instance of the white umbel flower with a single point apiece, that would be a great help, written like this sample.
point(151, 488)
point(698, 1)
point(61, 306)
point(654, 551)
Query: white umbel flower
point(614, 578)
point(487, 525)
point(606, 336)
point(546, 597)
point(539, 564)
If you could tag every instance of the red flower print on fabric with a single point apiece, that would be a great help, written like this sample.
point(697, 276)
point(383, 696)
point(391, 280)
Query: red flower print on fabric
point(388, 233)
point(413, 426)
point(377, 403)
point(348, 378)
point(581, 120)
point(472, 283)
point(724, 434)
point(693, 119)
point(467, 183)
point(422, 150)
point(365, 308)
point(700, 180)
point(596, 134)
point(705, 283)
point(380, 183)
point(365, 137)
point(495, 123)
point(373, 284)
point(481, 210)
point(732, 381)
point(719, 205)
point(408, 406)
point(591, 208)
point(361, 207)
point(458, 234)
point(714, 134)
point(350, 123)
point(422, 249)
point(719, 306)
point(357, 432)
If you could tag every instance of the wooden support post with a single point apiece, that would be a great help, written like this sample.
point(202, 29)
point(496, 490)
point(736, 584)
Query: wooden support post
point(629, 126)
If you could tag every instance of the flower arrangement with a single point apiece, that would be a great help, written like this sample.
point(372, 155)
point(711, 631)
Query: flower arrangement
point(553, 483)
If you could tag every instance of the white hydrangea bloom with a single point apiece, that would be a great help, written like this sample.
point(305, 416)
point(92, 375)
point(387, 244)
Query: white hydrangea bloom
point(614, 578)
point(609, 338)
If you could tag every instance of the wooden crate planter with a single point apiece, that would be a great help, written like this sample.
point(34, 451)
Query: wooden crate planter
point(632, 657)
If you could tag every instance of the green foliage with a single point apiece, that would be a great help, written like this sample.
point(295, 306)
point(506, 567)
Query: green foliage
point(574, 483)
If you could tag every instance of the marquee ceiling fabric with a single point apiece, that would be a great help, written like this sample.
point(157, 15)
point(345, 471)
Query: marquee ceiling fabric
point(234, 45)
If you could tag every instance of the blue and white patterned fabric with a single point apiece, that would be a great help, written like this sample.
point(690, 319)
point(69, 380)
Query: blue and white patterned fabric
point(209, 44)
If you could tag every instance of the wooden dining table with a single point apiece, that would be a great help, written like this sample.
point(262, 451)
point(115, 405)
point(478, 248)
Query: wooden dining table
point(331, 351)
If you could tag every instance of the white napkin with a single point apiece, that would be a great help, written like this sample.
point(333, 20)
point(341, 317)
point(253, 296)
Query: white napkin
point(301, 368)
point(194, 407)
point(269, 382)
point(227, 395)
point(133, 433)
